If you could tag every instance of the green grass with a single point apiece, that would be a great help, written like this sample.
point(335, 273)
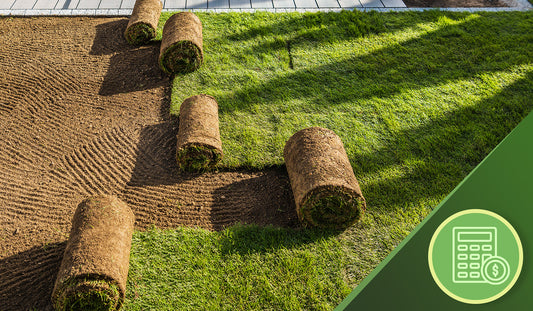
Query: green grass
point(418, 98)
point(245, 267)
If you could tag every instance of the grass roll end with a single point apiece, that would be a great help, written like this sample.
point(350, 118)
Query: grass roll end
point(143, 22)
point(198, 157)
point(181, 57)
point(139, 33)
point(88, 293)
point(331, 207)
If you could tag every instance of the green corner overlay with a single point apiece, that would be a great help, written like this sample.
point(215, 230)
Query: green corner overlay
point(472, 252)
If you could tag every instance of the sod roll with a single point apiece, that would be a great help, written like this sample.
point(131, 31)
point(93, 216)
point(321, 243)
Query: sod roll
point(95, 264)
point(325, 189)
point(143, 21)
point(199, 147)
point(182, 44)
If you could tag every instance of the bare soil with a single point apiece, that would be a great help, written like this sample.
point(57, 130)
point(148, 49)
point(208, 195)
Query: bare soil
point(84, 113)
point(453, 3)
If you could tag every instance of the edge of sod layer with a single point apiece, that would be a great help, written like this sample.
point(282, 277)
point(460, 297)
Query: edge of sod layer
point(197, 157)
point(181, 57)
point(331, 207)
point(89, 293)
point(140, 33)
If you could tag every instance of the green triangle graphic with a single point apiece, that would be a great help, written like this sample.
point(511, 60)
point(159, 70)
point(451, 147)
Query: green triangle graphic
point(502, 183)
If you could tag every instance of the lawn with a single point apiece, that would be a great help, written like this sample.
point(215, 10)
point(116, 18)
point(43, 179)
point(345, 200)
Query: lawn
point(418, 98)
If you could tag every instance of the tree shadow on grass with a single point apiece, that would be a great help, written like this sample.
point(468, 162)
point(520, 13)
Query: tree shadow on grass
point(431, 158)
point(457, 50)
point(319, 26)
point(441, 153)
point(27, 278)
point(130, 68)
point(250, 239)
point(324, 26)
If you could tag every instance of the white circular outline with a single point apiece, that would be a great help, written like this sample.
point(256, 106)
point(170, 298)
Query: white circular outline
point(520, 256)
point(505, 265)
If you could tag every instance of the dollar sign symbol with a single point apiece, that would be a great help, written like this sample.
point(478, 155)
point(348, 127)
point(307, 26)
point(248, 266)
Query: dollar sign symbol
point(495, 271)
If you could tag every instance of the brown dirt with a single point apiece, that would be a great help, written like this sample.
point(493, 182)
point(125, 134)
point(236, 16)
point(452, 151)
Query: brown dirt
point(98, 249)
point(83, 113)
point(318, 168)
point(453, 3)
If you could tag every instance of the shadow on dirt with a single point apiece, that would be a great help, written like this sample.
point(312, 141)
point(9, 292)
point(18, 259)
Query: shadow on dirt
point(263, 200)
point(230, 196)
point(131, 68)
point(155, 162)
point(27, 279)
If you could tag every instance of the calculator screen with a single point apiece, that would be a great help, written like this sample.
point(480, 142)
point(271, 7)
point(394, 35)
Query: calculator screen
point(471, 247)
point(474, 236)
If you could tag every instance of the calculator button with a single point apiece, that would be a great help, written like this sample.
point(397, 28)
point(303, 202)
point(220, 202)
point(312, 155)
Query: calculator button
point(462, 275)
point(486, 256)
point(462, 265)
point(474, 256)
point(474, 275)
point(462, 247)
point(487, 248)
point(474, 247)
point(462, 256)
point(474, 265)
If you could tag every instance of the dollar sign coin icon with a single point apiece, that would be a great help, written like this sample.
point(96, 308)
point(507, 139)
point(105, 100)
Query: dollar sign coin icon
point(495, 270)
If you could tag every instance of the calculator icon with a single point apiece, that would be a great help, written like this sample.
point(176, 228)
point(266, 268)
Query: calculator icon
point(473, 249)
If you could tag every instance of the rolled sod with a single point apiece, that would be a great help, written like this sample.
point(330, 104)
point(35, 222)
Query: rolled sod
point(182, 44)
point(199, 147)
point(95, 264)
point(325, 189)
point(143, 21)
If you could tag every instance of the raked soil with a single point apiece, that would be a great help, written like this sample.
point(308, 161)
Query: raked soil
point(84, 113)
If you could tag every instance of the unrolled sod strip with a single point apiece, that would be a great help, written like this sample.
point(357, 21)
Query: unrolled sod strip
point(143, 21)
point(199, 147)
point(95, 264)
point(182, 44)
point(325, 189)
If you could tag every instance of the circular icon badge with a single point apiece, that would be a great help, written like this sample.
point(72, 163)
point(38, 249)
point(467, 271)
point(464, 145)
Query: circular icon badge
point(475, 256)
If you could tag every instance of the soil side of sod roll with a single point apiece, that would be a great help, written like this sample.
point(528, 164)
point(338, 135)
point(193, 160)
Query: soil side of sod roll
point(199, 147)
point(182, 44)
point(143, 22)
point(95, 264)
point(325, 189)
